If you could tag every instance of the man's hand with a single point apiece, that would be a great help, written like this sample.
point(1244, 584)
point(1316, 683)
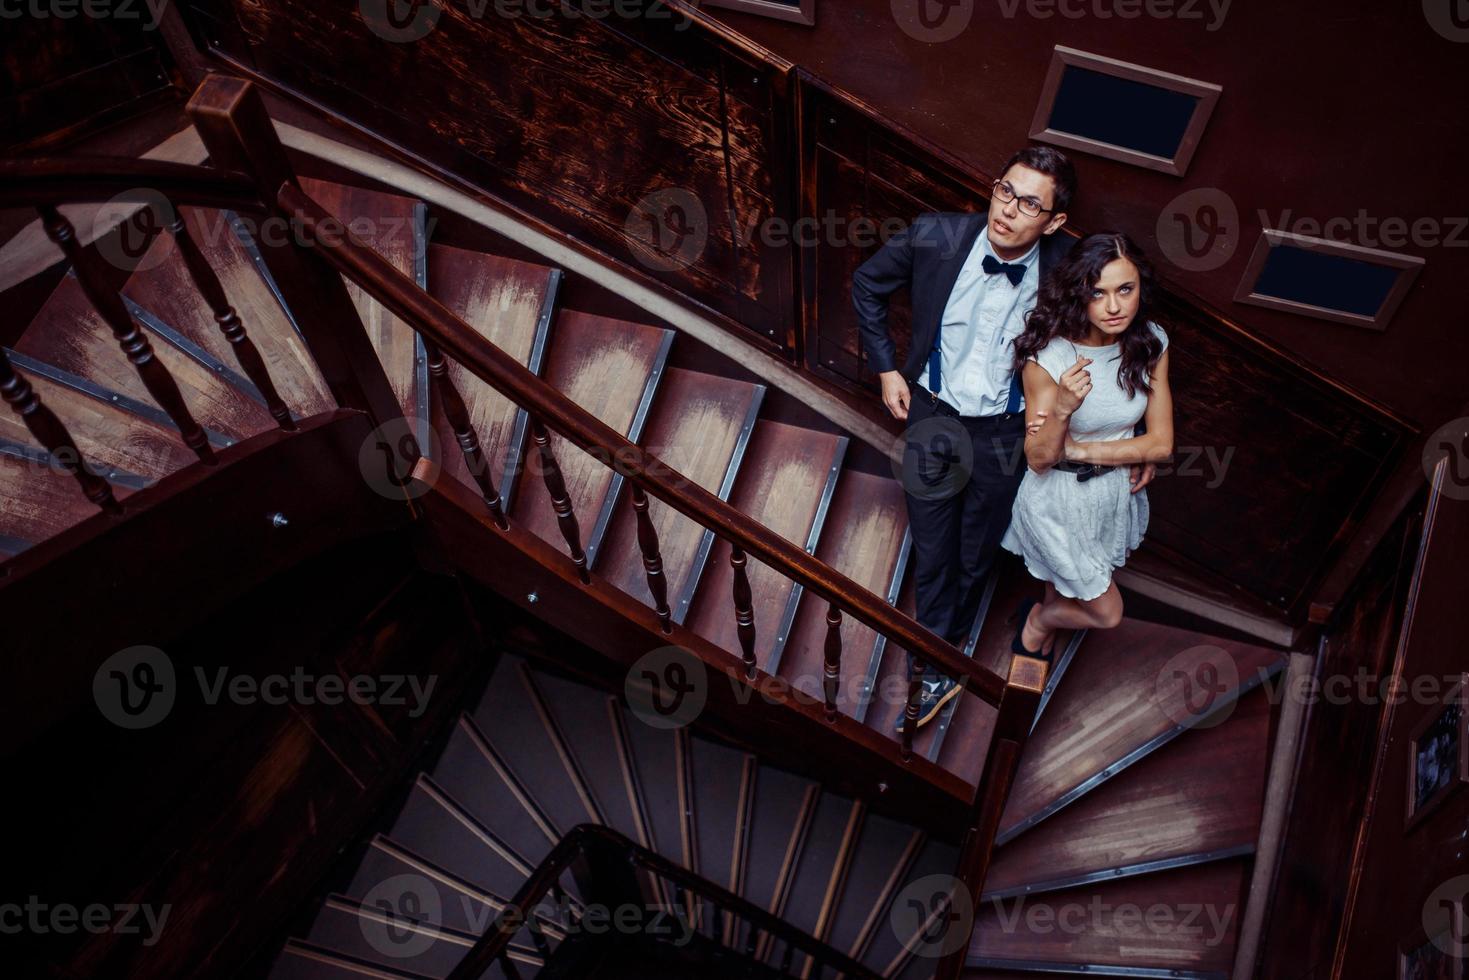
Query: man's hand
point(895, 393)
point(1141, 474)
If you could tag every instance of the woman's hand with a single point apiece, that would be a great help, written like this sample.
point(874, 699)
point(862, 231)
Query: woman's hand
point(1073, 387)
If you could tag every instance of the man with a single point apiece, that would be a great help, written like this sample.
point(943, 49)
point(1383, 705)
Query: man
point(973, 277)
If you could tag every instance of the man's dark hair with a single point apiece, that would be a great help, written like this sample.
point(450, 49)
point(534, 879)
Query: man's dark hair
point(1054, 164)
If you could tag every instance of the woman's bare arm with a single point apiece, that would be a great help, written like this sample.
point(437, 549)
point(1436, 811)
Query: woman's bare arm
point(1153, 446)
point(1048, 410)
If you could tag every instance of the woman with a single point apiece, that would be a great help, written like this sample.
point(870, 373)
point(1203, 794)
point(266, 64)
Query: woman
point(1093, 364)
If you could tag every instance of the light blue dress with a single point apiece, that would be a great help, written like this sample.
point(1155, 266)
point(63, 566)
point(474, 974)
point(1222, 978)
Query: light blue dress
point(1073, 534)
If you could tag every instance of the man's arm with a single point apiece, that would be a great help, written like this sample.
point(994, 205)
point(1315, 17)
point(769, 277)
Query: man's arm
point(889, 269)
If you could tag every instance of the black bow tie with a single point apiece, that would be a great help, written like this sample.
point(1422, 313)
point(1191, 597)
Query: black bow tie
point(1014, 270)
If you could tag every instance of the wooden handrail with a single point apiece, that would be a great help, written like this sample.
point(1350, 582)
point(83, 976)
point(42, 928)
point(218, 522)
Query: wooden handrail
point(494, 941)
point(44, 180)
point(440, 326)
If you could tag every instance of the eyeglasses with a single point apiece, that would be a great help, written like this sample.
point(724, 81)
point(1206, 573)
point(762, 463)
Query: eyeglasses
point(1029, 206)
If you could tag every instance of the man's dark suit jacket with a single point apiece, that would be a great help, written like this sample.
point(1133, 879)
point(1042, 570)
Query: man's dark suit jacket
point(927, 255)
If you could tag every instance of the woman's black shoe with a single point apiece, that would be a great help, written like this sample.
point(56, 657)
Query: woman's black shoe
point(1022, 613)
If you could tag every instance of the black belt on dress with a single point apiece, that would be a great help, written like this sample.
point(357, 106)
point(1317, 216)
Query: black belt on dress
point(1083, 471)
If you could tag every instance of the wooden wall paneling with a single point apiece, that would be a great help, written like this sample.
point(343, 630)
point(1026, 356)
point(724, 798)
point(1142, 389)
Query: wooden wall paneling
point(1334, 765)
point(65, 75)
point(581, 122)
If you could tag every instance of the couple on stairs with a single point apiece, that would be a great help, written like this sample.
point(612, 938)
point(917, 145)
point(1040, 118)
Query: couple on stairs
point(1037, 402)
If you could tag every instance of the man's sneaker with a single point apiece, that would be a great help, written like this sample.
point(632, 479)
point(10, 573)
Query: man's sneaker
point(935, 691)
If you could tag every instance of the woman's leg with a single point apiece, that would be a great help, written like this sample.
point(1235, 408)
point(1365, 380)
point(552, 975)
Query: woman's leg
point(1103, 612)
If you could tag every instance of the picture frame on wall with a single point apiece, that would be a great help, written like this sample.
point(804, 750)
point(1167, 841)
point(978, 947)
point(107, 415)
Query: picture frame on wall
point(1429, 957)
point(797, 11)
point(1438, 754)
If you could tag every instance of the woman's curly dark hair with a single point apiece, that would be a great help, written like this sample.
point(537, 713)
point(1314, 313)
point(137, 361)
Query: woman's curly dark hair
point(1065, 293)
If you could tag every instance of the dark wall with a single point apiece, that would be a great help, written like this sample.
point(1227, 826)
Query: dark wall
point(63, 75)
point(1326, 109)
point(1407, 870)
point(1334, 764)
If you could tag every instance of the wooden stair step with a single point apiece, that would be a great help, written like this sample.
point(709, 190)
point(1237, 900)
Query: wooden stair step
point(880, 863)
point(610, 368)
point(392, 226)
point(109, 437)
point(509, 303)
point(889, 691)
point(469, 774)
point(37, 501)
point(781, 816)
point(1200, 796)
point(1127, 689)
point(699, 428)
point(388, 938)
point(162, 286)
point(723, 793)
point(464, 906)
point(786, 482)
point(658, 756)
point(442, 831)
point(581, 716)
point(863, 537)
point(886, 953)
point(303, 961)
point(69, 334)
point(1186, 919)
point(508, 718)
point(821, 869)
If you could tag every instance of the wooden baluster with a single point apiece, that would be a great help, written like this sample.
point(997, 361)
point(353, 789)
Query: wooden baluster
point(744, 609)
point(910, 711)
point(134, 342)
point(832, 668)
point(652, 559)
point(51, 433)
point(230, 324)
point(507, 965)
point(231, 120)
point(469, 444)
point(560, 499)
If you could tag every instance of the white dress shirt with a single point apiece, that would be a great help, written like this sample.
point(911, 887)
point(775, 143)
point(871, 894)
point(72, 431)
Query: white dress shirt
point(983, 316)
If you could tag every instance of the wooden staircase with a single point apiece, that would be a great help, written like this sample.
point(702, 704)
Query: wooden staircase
point(1126, 794)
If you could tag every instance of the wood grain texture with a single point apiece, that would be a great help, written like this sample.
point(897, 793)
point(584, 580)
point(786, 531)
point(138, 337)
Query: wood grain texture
point(1185, 919)
point(603, 365)
point(37, 502)
point(780, 485)
point(108, 436)
point(385, 223)
point(502, 299)
point(162, 287)
point(69, 334)
point(861, 538)
point(1201, 793)
point(665, 162)
point(694, 427)
point(1125, 686)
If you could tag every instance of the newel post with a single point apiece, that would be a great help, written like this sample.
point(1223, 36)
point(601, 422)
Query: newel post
point(231, 119)
point(1017, 709)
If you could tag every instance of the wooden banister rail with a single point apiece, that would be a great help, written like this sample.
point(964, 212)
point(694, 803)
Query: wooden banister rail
point(1002, 761)
point(31, 182)
point(440, 326)
point(585, 838)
